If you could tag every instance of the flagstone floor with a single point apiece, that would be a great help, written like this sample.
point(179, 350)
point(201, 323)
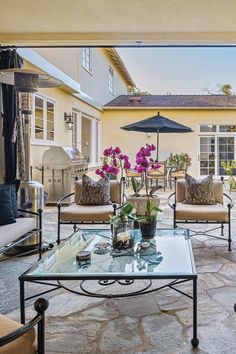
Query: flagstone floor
point(158, 323)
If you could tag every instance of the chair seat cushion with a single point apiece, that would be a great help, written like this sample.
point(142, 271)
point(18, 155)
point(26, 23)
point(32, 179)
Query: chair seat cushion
point(84, 213)
point(22, 345)
point(11, 232)
point(216, 212)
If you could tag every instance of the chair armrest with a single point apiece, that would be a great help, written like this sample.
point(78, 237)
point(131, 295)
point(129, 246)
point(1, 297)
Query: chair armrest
point(169, 200)
point(37, 213)
point(40, 306)
point(231, 203)
point(63, 198)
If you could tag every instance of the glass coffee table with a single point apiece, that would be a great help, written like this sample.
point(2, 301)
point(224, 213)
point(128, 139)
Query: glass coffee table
point(168, 257)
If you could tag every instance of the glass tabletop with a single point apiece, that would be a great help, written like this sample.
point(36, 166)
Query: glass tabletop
point(169, 254)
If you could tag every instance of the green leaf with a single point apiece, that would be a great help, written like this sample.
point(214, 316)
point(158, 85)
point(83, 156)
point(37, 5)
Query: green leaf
point(149, 207)
point(157, 209)
point(127, 209)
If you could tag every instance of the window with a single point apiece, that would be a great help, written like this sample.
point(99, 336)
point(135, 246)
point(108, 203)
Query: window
point(86, 58)
point(44, 113)
point(227, 128)
point(111, 80)
point(207, 128)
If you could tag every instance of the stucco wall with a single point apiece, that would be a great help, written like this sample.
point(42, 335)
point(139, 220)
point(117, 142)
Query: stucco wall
point(95, 83)
point(131, 141)
point(63, 137)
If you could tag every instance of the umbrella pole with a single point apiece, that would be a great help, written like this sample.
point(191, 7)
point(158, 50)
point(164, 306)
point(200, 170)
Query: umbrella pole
point(157, 144)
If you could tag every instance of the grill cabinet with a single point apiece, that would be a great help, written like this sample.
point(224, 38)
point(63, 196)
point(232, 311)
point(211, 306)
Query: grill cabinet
point(61, 167)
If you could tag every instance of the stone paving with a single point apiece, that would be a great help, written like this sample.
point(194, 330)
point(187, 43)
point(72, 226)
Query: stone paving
point(157, 323)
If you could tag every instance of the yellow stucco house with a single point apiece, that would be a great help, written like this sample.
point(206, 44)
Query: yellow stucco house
point(211, 117)
point(91, 77)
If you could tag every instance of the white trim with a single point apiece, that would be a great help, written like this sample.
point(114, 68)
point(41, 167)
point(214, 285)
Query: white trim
point(167, 107)
point(37, 60)
point(43, 141)
point(111, 80)
point(216, 135)
point(37, 142)
point(89, 100)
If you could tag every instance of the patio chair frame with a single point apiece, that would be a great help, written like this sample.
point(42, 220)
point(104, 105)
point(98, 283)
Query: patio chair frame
point(156, 175)
point(207, 222)
point(22, 238)
point(40, 307)
point(75, 223)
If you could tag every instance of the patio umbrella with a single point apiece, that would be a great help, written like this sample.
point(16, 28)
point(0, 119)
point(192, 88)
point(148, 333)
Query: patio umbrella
point(157, 124)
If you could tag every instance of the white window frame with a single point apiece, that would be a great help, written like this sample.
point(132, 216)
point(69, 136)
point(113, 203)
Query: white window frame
point(43, 141)
point(86, 59)
point(111, 80)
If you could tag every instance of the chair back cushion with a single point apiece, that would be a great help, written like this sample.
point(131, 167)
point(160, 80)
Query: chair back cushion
point(199, 191)
point(95, 192)
point(115, 189)
point(115, 195)
point(181, 187)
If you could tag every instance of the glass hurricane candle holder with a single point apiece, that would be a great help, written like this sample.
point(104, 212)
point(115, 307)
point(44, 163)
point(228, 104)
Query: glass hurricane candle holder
point(122, 234)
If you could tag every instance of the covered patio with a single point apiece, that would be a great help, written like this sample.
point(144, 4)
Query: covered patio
point(160, 322)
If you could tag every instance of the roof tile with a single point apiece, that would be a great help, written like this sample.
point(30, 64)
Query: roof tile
point(175, 101)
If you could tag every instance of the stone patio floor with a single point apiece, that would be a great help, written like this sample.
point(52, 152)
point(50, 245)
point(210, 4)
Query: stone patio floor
point(157, 323)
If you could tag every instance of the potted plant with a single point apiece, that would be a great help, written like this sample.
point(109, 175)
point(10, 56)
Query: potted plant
point(179, 161)
point(228, 167)
point(122, 226)
point(146, 205)
point(113, 163)
point(144, 162)
point(149, 221)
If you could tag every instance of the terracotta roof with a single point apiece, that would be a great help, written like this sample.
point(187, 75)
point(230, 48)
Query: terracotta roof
point(175, 101)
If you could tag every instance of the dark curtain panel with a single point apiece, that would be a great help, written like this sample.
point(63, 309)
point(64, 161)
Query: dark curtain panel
point(9, 59)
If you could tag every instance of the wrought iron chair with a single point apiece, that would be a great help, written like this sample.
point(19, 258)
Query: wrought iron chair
point(176, 173)
point(132, 173)
point(218, 214)
point(89, 214)
point(20, 339)
point(160, 174)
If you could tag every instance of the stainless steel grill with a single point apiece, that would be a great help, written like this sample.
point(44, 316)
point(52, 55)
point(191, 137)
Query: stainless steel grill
point(61, 167)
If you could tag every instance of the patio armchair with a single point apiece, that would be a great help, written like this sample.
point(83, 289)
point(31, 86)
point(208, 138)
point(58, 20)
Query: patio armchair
point(160, 174)
point(20, 339)
point(132, 173)
point(218, 214)
point(89, 214)
point(177, 173)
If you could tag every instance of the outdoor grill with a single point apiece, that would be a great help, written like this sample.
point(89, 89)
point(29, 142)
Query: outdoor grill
point(61, 166)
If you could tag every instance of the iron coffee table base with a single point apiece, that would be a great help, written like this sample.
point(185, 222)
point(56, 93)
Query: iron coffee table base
point(109, 282)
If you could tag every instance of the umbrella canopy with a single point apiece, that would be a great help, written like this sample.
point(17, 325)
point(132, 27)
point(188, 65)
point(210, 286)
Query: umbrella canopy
point(157, 124)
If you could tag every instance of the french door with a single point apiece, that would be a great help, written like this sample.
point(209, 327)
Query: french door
point(212, 151)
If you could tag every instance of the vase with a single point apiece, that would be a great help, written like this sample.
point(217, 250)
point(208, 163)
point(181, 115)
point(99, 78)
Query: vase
point(148, 228)
point(122, 234)
point(140, 202)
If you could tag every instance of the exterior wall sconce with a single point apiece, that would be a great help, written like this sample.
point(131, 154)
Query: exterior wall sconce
point(148, 135)
point(68, 117)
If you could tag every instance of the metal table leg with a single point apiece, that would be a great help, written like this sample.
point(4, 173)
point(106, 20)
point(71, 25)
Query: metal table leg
point(195, 340)
point(22, 301)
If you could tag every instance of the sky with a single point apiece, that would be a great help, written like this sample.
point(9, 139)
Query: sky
point(180, 70)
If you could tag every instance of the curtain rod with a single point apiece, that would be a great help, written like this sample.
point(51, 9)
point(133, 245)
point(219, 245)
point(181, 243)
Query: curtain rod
point(138, 45)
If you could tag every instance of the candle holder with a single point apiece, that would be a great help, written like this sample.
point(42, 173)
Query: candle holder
point(122, 234)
